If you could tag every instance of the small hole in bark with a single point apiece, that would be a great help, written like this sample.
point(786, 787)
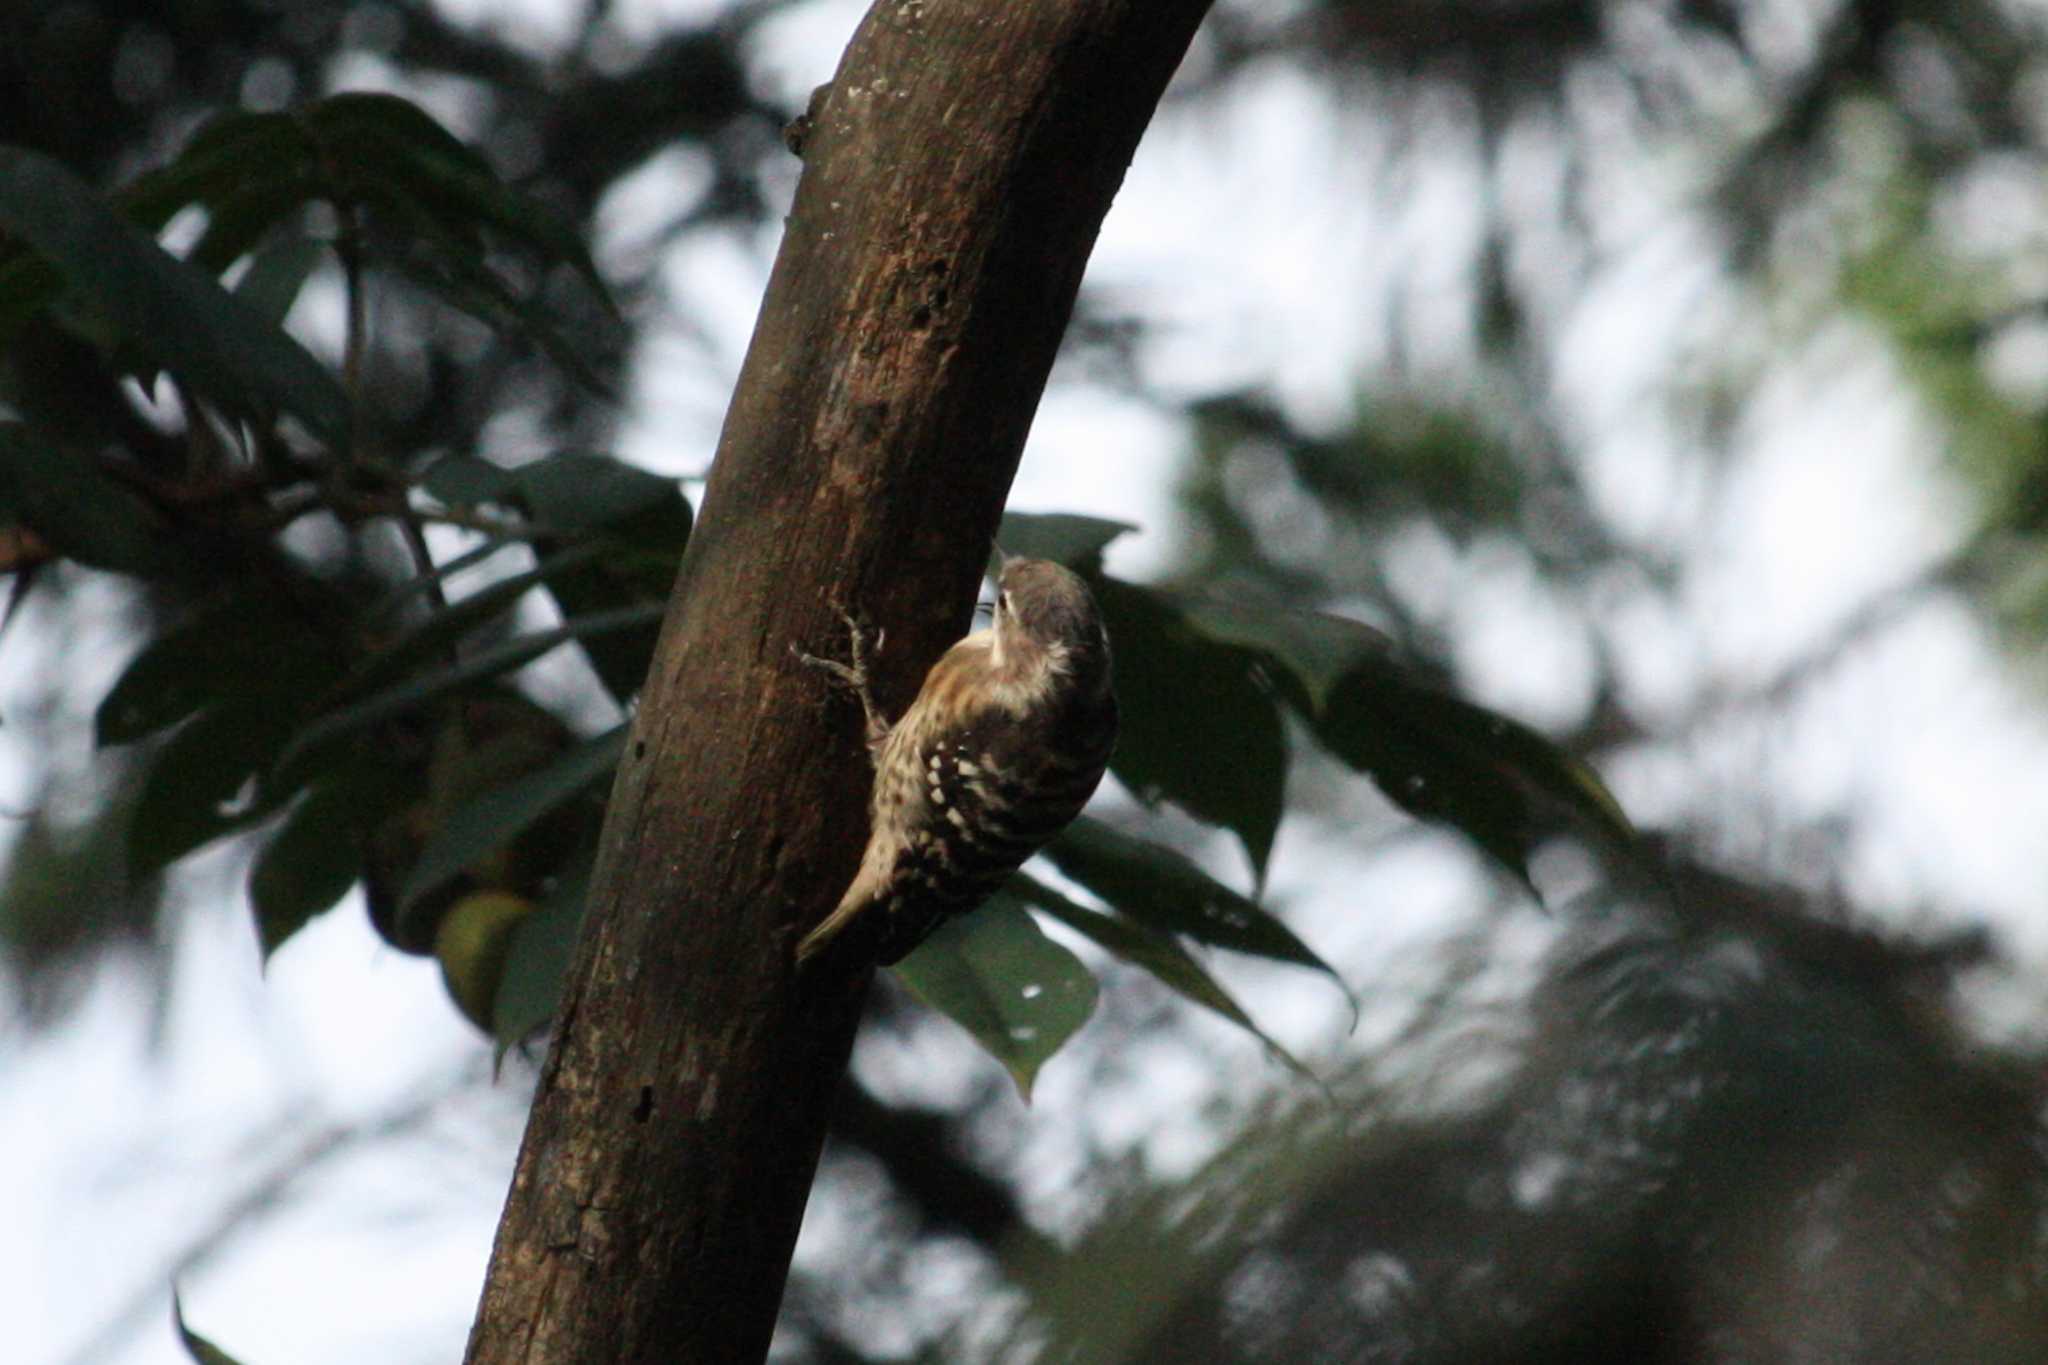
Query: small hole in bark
point(645, 1109)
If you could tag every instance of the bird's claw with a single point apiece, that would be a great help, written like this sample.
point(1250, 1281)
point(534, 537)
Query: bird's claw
point(854, 676)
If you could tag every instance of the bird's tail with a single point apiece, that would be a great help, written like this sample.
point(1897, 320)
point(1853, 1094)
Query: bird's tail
point(867, 886)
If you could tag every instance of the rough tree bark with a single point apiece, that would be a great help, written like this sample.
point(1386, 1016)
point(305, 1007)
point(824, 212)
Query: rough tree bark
point(956, 175)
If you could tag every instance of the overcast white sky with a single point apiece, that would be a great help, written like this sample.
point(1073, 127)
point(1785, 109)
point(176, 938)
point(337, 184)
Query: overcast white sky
point(1254, 233)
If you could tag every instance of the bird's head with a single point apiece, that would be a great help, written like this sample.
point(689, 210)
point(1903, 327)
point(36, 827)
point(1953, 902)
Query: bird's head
point(1045, 615)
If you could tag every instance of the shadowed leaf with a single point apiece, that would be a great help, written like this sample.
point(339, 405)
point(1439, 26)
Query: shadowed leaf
point(1162, 890)
point(483, 665)
point(175, 314)
point(542, 945)
point(1063, 537)
point(488, 822)
point(1199, 721)
point(1160, 954)
point(79, 511)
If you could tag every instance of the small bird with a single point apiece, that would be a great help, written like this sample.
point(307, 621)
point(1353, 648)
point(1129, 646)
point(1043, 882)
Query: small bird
point(1004, 744)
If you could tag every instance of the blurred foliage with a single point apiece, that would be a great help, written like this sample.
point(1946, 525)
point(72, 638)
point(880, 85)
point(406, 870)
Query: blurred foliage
point(1735, 1133)
point(1715, 1077)
point(366, 728)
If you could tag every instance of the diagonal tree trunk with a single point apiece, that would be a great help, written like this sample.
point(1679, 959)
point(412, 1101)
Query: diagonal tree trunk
point(957, 171)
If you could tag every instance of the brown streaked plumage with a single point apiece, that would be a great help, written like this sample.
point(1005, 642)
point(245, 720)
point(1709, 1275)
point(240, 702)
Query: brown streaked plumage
point(1006, 741)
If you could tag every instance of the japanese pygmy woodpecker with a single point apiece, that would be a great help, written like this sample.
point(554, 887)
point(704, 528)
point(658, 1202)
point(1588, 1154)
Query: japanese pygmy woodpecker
point(1004, 744)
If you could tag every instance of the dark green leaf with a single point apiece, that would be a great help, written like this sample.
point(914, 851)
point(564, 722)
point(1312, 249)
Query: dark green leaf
point(542, 947)
point(435, 637)
point(466, 480)
point(620, 658)
point(232, 155)
point(1318, 650)
point(465, 282)
point(201, 785)
point(1200, 723)
point(1437, 757)
point(489, 663)
point(586, 491)
point(1160, 954)
point(488, 822)
point(419, 584)
point(196, 1346)
point(1442, 759)
point(1063, 537)
point(277, 274)
point(236, 228)
point(641, 523)
point(1159, 888)
point(28, 284)
point(176, 314)
point(212, 657)
point(80, 511)
point(592, 493)
point(399, 144)
point(998, 976)
point(317, 854)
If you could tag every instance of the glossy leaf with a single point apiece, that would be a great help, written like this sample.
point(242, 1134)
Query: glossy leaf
point(1436, 756)
point(996, 974)
point(174, 313)
point(488, 822)
point(1163, 890)
point(1160, 954)
point(581, 491)
point(230, 156)
point(640, 521)
point(1200, 722)
point(466, 480)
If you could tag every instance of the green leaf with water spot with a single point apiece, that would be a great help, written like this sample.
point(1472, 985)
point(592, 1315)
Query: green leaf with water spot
point(996, 974)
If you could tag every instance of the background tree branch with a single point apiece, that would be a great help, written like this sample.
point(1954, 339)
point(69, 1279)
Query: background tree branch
point(957, 175)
